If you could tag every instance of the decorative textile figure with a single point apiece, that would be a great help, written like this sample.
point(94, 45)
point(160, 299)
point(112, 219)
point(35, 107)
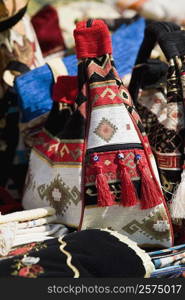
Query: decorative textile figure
point(161, 108)
point(107, 175)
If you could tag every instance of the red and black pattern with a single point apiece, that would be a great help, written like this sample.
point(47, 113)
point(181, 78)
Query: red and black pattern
point(100, 73)
point(163, 138)
point(56, 142)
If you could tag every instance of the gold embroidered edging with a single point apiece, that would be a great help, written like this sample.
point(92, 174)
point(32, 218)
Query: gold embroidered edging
point(69, 258)
point(147, 262)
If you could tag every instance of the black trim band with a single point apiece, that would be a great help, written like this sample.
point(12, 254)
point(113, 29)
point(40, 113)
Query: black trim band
point(115, 147)
point(10, 22)
point(17, 66)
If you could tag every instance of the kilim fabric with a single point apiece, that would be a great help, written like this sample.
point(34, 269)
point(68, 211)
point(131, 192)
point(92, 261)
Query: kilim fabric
point(163, 117)
point(99, 170)
point(162, 112)
point(114, 131)
point(44, 183)
point(89, 253)
point(178, 200)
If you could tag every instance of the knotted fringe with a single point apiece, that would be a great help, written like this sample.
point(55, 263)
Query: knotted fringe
point(128, 192)
point(105, 197)
point(177, 207)
point(150, 194)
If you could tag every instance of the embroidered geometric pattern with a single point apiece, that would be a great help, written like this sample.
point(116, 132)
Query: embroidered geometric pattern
point(155, 225)
point(105, 130)
point(59, 195)
point(166, 137)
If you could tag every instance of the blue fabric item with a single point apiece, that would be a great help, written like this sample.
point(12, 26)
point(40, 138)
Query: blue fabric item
point(169, 272)
point(34, 90)
point(34, 87)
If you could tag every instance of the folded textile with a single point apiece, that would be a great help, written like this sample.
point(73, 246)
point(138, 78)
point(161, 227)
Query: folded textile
point(169, 262)
point(28, 235)
point(13, 233)
point(45, 229)
point(168, 257)
point(37, 222)
point(169, 272)
point(7, 237)
point(27, 215)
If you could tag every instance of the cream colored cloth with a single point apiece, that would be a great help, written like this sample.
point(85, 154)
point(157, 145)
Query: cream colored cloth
point(27, 215)
point(39, 226)
point(37, 222)
point(159, 10)
point(39, 234)
point(48, 229)
point(13, 232)
point(7, 237)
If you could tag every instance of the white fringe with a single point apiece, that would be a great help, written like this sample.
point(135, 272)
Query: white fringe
point(177, 207)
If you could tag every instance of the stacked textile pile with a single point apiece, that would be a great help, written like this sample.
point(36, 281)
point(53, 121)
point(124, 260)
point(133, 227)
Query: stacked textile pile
point(24, 227)
point(169, 263)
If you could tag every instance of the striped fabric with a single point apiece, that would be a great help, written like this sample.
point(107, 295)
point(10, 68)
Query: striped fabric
point(169, 263)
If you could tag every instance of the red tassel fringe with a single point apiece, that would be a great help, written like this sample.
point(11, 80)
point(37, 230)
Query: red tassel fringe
point(128, 193)
point(105, 198)
point(150, 194)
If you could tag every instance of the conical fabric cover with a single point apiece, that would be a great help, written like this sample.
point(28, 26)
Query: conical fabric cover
point(119, 162)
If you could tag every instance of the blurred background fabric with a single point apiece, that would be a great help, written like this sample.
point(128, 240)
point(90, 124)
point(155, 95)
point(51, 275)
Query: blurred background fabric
point(35, 5)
